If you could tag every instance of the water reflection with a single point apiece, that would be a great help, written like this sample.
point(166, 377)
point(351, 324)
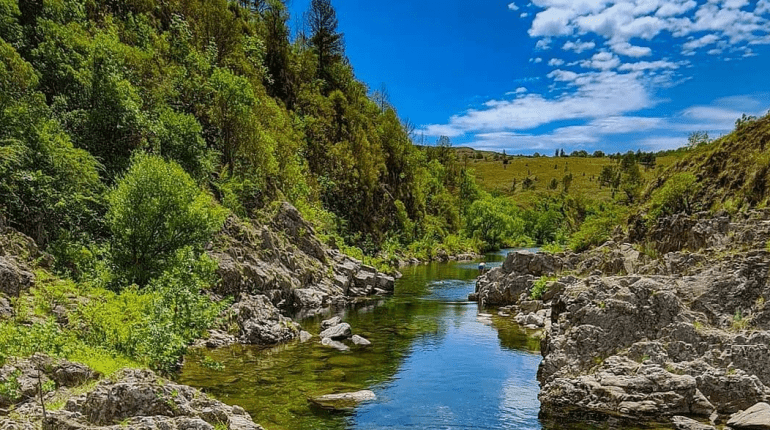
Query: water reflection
point(433, 364)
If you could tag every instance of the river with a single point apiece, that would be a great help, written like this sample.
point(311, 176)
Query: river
point(436, 362)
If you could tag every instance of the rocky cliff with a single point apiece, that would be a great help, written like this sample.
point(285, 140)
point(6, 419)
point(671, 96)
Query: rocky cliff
point(280, 268)
point(644, 333)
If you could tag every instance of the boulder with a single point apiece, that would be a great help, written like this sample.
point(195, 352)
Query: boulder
point(261, 323)
point(684, 423)
point(360, 341)
point(339, 331)
point(343, 401)
point(13, 279)
point(334, 344)
point(139, 399)
point(756, 417)
point(304, 336)
point(331, 322)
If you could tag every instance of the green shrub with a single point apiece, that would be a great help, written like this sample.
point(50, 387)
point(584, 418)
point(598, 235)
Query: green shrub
point(540, 286)
point(674, 196)
point(598, 227)
point(154, 210)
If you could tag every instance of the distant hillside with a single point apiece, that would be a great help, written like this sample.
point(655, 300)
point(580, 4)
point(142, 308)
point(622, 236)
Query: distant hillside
point(731, 173)
point(493, 175)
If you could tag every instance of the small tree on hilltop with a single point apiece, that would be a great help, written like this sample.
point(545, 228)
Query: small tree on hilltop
point(154, 210)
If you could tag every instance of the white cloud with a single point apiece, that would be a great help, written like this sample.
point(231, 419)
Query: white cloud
point(543, 44)
point(595, 95)
point(520, 90)
point(524, 15)
point(602, 60)
point(648, 65)
point(578, 46)
point(536, 60)
point(512, 6)
point(556, 62)
point(625, 48)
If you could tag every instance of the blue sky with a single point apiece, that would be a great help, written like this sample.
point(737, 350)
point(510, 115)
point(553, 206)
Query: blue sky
point(533, 76)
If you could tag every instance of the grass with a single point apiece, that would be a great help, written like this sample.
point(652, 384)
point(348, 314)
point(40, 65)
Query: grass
point(495, 177)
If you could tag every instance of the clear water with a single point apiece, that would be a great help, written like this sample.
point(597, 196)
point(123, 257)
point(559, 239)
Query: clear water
point(435, 362)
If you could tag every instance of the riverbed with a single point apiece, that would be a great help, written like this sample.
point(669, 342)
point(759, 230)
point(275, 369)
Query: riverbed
point(436, 362)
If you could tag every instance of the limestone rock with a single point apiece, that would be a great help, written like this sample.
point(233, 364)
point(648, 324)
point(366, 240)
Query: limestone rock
point(331, 322)
point(756, 417)
point(334, 344)
point(336, 332)
point(343, 401)
point(13, 279)
point(261, 323)
point(360, 341)
point(304, 336)
point(139, 399)
point(684, 423)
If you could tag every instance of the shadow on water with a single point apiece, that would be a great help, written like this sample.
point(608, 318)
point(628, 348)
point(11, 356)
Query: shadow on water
point(435, 362)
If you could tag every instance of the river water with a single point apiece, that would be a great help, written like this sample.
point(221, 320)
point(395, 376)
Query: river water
point(436, 362)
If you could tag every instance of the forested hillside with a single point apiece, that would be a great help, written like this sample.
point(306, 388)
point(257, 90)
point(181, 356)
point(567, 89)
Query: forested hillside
point(252, 113)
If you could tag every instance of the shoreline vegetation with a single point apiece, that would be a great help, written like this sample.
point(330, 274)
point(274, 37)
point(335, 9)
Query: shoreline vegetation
point(164, 163)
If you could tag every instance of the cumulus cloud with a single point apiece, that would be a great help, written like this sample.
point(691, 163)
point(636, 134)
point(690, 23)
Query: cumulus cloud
point(512, 6)
point(556, 62)
point(595, 95)
point(578, 46)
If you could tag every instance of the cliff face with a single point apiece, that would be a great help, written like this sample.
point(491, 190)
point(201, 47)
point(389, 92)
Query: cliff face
point(634, 336)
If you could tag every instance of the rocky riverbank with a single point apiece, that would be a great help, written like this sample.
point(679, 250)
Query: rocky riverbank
point(132, 398)
point(640, 334)
point(271, 270)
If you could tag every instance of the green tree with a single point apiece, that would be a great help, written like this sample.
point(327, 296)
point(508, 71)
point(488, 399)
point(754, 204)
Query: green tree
point(329, 45)
point(154, 210)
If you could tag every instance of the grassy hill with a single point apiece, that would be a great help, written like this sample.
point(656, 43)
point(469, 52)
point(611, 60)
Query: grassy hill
point(731, 173)
point(498, 178)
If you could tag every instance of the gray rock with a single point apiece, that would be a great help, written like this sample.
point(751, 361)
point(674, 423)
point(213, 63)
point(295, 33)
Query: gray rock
point(334, 344)
point(756, 417)
point(331, 322)
point(304, 336)
point(339, 331)
point(261, 323)
point(358, 340)
point(13, 279)
point(139, 399)
point(684, 423)
point(284, 261)
point(6, 310)
point(343, 401)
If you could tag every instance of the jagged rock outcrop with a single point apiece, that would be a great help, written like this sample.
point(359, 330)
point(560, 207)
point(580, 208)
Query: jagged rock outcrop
point(285, 261)
point(20, 376)
point(282, 266)
point(639, 334)
point(139, 399)
point(261, 323)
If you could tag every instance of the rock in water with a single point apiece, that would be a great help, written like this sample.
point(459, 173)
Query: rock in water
point(331, 322)
point(343, 401)
point(339, 331)
point(261, 323)
point(334, 344)
point(304, 336)
point(756, 417)
point(361, 341)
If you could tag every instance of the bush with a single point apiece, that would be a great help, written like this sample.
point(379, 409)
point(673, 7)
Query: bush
point(674, 196)
point(597, 228)
point(154, 210)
